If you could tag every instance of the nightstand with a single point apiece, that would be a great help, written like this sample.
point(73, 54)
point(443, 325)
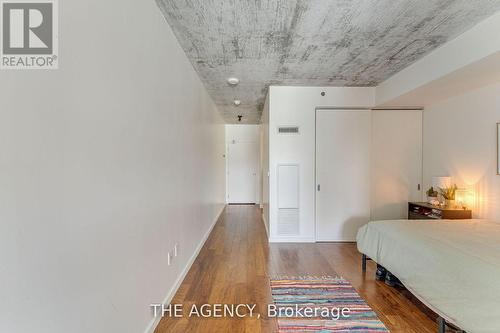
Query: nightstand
point(425, 211)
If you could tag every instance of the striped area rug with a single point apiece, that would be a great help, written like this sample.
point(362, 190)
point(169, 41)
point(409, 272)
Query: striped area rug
point(326, 297)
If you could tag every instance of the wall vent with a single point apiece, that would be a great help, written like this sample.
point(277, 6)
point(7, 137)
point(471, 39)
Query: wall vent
point(288, 222)
point(288, 130)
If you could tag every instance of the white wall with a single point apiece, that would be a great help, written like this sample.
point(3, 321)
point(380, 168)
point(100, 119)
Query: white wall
point(460, 141)
point(295, 106)
point(396, 162)
point(264, 127)
point(105, 164)
point(242, 133)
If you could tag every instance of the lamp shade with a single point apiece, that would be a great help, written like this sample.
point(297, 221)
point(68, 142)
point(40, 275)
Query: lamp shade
point(441, 182)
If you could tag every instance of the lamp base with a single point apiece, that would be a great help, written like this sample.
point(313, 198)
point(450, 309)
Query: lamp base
point(450, 203)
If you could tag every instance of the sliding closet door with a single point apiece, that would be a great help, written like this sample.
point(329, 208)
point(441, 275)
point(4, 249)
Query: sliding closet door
point(396, 162)
point(342, 173)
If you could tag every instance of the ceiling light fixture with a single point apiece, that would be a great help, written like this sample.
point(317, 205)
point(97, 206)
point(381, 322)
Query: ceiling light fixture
point(233, 81)
point(237, 102)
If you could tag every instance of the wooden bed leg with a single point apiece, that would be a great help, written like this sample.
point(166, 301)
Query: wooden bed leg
point(363, 263)
point(441, 325)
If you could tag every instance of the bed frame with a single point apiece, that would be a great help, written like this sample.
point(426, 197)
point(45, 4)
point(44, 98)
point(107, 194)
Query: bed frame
point(441, 322)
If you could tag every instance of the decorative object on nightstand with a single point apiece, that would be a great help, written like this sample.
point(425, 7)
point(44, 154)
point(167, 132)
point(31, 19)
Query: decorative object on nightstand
point(441, 182)
point(448, 194)
point(425, 211)
point(432, 196)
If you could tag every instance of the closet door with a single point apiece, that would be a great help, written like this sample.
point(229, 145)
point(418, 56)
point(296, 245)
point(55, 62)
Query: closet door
point(396, 162)
point(342, 173)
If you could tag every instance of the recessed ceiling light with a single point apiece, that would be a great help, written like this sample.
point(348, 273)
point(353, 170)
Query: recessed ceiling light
point(237, 102)
point(233, 81)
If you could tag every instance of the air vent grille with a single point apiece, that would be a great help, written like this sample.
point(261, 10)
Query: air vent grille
point(288, 130)
point(288, 222)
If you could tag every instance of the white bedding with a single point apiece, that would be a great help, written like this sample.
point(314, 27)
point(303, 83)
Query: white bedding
point(451, 266)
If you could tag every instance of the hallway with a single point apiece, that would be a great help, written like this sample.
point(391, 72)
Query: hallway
point(236, 262)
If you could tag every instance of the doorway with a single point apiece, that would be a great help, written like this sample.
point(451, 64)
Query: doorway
point(243, 152)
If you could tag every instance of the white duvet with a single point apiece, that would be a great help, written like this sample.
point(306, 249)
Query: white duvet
point(451, 266)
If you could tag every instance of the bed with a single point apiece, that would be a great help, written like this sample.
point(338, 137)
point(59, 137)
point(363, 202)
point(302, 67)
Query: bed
point(452, 266)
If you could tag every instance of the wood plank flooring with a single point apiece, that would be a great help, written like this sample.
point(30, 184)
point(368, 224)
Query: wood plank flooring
point(236, 262)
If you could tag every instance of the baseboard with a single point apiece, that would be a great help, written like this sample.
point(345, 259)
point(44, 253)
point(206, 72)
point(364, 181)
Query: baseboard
point(155, 321)
point(291, 240)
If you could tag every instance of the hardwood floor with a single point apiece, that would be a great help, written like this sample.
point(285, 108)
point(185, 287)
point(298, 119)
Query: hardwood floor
point(236, 262)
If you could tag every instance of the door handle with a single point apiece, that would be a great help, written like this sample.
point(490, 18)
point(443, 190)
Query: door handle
point(319, 187)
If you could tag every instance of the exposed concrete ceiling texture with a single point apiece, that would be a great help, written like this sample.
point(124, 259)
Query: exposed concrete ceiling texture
point(310, 43)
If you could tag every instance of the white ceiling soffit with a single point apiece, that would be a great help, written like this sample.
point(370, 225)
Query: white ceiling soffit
point(310, 42)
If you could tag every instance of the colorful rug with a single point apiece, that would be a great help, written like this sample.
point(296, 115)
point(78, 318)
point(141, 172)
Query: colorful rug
point(327, 298)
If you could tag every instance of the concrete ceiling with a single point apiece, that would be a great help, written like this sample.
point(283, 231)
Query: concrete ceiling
point(310, 42)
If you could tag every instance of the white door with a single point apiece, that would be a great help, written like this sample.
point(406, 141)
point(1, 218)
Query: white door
point(242, 164)
point(342, 173)
point(396, 162)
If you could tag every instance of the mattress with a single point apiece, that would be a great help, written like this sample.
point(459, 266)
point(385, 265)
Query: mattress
point(452, 266)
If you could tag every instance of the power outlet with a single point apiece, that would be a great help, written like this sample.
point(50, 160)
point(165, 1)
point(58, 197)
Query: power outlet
point(169, 259)
point(176, 250)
